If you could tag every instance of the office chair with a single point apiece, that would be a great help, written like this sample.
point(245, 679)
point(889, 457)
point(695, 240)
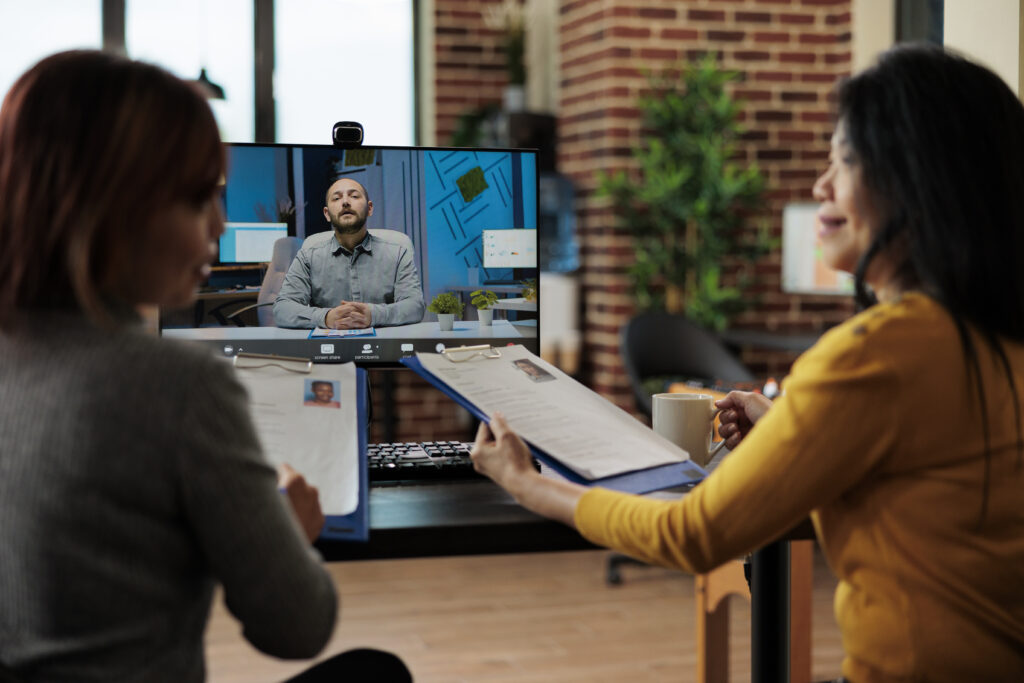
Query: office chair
point(668, 345)
point(664, 345)
point(285, 250)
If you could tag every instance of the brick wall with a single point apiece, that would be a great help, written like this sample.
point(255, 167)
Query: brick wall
point(419, 412)
point(789, 52)
point(469, 73)
point(469, 61)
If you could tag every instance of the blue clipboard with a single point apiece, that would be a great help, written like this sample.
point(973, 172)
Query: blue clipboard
point(668, 476)
point(355, 526)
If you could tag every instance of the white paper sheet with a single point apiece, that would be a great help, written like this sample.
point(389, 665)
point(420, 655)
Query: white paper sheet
point(319, 439)
point(327, 333)
point(579, 428)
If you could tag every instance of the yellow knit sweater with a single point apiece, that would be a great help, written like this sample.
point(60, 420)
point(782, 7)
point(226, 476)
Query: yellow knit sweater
point(879, 436)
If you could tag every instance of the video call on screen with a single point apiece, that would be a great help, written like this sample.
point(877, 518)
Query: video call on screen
point(471, 215)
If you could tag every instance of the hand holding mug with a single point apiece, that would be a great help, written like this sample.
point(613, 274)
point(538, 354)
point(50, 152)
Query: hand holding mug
point(739, 411)
point(687, 420)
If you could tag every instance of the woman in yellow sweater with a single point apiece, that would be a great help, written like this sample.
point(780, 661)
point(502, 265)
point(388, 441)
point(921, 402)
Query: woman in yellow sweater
point(900, 432)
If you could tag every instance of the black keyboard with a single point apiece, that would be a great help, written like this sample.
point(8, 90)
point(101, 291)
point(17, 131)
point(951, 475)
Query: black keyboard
point(419, 461)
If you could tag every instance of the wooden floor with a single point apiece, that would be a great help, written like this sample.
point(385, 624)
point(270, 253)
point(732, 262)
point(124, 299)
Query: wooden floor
point(522, 619)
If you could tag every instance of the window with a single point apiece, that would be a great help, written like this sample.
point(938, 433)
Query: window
point(30, 31)
point(334, 59)
point(188, 35)
point(344, 60)
point(919, 21)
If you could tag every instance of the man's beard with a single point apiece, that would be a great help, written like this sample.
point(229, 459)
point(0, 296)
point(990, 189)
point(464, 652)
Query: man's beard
point(350, 228)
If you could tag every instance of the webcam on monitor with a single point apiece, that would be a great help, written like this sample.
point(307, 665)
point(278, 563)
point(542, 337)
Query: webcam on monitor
point(347, 134)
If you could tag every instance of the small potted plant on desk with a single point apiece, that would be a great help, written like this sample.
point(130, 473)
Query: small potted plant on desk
point(483, 299)
point(446, 305)
point(530, 289)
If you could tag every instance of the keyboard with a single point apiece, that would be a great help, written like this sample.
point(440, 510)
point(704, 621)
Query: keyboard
point(419, 461)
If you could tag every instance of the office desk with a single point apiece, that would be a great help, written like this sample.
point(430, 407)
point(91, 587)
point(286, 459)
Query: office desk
point(497, 289)
point(476, 517)
point(472, 517)
point(388, 344)
point(516, 303)
point(504, 302)
point(774, 341)
point(464, 329)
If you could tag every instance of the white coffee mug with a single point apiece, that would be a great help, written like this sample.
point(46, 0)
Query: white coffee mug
point(687, 421)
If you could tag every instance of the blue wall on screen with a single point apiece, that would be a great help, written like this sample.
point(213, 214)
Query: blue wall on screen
point(253, 187)
point(505, 199)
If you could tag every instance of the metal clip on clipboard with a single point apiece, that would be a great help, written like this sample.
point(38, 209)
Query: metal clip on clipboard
point(485, 350)
point(270, 359)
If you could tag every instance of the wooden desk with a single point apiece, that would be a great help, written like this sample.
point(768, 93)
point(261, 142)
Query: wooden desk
point(476, 517)
point(471, 517)
point(780, 587)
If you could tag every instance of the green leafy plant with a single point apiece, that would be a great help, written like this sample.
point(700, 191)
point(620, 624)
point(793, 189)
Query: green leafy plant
point(483, 299)
point(509, 19)
point(446, 302)
point(530, 289)
point(471, 126)
point(284, 212)
point(691, 198)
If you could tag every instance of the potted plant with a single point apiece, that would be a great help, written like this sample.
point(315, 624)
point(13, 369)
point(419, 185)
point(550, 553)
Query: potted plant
point(509, 20)
point(483, 299)
point(446, 305)
point(530, 289)
point(690, 201)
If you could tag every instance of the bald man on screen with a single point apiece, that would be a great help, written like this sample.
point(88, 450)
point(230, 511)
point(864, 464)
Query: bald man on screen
point(351, 277)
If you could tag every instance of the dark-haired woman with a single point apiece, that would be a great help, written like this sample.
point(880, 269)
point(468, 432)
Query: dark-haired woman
point(131, 478)
point(900, 432)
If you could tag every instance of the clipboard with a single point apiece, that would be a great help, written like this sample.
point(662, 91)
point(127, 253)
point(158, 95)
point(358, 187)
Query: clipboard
point(353, 526)
point(646, 480)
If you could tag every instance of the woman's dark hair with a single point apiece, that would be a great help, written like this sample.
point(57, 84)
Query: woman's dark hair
point(92, 146)
point(940, 141)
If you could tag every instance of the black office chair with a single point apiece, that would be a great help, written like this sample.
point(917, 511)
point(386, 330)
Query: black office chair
point(670, 347)
point(284, 252)
point(664, 345)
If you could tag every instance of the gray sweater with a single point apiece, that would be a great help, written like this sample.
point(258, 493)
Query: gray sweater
point(132, 481)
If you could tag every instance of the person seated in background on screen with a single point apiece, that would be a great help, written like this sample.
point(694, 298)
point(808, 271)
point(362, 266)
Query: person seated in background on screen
point(900, 432)
point(132, 480)
point(351, 277)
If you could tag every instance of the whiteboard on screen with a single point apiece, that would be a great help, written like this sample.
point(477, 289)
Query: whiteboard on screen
point(509, 248)
point(803, 269)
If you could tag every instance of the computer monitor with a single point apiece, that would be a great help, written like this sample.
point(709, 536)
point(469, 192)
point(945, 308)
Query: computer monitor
point(509, 249)
point(446, 201)
point(249, 242)
point(803, 270)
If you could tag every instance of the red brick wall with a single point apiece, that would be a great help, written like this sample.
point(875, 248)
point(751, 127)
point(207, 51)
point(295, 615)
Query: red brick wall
point(419, 411)
point(469, 73)
point(790, 53)
point(470, 61)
